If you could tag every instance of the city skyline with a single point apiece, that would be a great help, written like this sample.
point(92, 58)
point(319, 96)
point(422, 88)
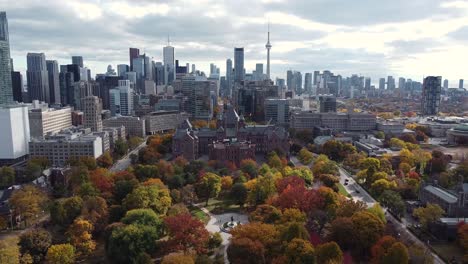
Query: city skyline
point(420, 38)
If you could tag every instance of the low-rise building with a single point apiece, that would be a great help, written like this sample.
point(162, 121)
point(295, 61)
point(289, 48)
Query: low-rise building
point(161, 121)
point(49, 120)
point(60, 147)
point(134, 126)
point(307, 120)
point(458, 135)
point(231, 150)
point(454, 203)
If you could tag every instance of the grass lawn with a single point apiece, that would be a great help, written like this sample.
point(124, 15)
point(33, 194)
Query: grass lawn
point(448, 251)
point(198, 213)
point(342, 190)
point(216, 206)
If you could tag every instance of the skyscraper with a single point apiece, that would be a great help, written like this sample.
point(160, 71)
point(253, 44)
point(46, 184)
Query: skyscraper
point(169, 66)
point(78, 60)
point(390, 83)
point(401, 83)
point(121, 99)
point(6, 90)
point(268, 47)
point(37, 76)
point(290, 80)
point(430, 100)
point(445, 84)
point(229, 76)
point(54, 84)
point(308, 83)
point(460, 84)
point(92, 108)
point(316, 77)
point(238, 64)
point(122, 69)
point(133, 53)
point(17, 84)
point(382, 84)
point(367, 84)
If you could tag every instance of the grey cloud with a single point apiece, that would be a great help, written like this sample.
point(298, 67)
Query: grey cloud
point(460, 34)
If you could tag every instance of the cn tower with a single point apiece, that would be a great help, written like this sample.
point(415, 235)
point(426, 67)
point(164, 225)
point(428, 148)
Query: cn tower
point(268, 47)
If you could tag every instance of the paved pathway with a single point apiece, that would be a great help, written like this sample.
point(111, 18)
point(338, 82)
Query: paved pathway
point(216, 221)
point(124, 162)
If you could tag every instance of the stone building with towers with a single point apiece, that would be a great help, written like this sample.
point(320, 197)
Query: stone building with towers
point(232, 140)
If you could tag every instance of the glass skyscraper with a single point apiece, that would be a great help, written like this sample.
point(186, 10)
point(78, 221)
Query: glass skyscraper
point(6, 90)
point(238, 64)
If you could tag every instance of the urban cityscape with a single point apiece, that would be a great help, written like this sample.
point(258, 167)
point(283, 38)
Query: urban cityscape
point(249, 160)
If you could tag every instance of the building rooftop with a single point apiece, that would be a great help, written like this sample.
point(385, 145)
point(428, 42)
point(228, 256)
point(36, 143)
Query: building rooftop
point(444, 195)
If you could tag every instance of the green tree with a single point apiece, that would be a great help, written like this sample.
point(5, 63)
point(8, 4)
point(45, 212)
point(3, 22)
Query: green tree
point(35, 242)
point(145, 217)
point(300, 251)
point(28, 201)
point(209, 186)
point(61, 254)
point(367, 229)
point(262, 190)
point(239, 193)
point(120, 147)
point(393, 201)
point(105, 160)
point(329, 253)
point(305, 156)
point(429, 214)
point(397, 253)
point(126, 243)
point(32, 172)
point(378, 211)
point(153, 197)
point(293, 230)
point(379, 186)
point(7, 177)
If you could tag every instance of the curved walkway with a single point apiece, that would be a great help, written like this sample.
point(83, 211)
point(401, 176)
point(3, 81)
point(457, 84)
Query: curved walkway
point(216, 221)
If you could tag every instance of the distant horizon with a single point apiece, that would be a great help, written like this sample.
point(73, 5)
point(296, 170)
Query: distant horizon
point(399, 39)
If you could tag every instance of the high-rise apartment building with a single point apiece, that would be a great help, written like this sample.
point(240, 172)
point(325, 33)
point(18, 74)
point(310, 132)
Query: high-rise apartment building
point(382, 84)
point(38, 78)
point(239, 64)
point(460, 84)
point(92, 108)
point(54, 81)
point(401, 83)
point(6, 89)
point(446, 85)
point(78, 60)
point(430, 100)
point(390, 83)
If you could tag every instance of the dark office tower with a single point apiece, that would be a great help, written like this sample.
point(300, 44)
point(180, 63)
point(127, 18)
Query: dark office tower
point(66, 81)
point(75, 69)
point(460, 84)
point(134, 53)
point(445, 84)
point(228, 77)
point(290, 80)
point(38, 79)
point(238, 64)
point(430, 100)
point(106, 83)
point(17, 84)
point(6, 90)
point(327, 103)
point(54, 83)
point(78, 60)
point(158, 74)
point(308, 83)
point(316, 77)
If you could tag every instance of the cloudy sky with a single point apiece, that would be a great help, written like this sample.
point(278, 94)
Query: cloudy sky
point(409, 38)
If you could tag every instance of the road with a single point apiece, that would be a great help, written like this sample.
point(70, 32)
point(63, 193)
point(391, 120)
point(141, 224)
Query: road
point(359, 194)
point(124, 162)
